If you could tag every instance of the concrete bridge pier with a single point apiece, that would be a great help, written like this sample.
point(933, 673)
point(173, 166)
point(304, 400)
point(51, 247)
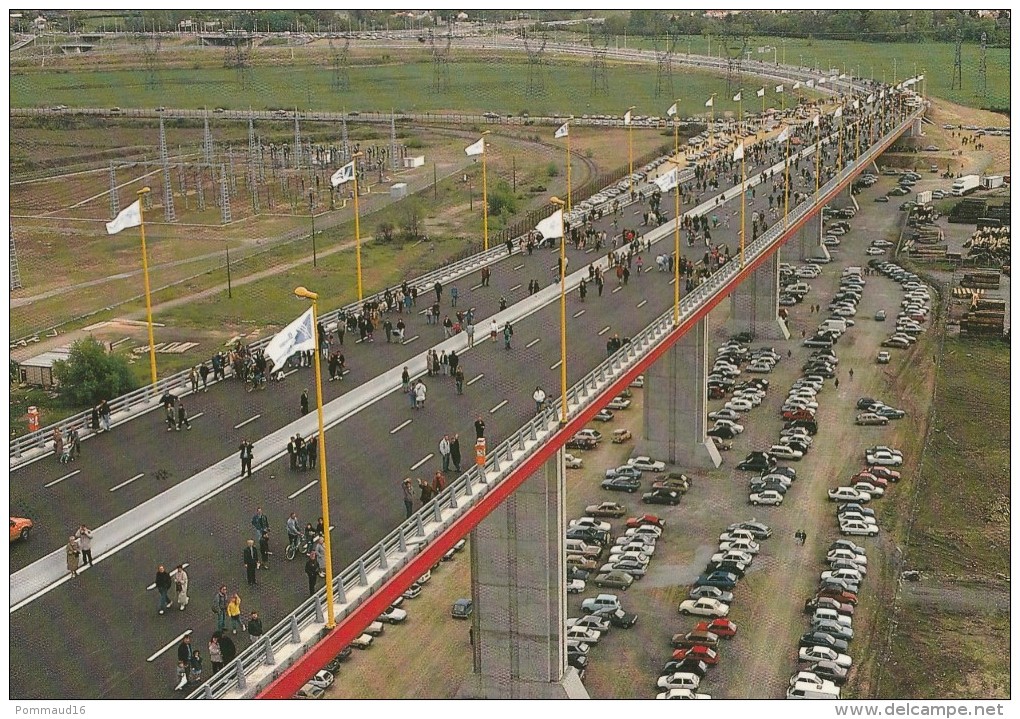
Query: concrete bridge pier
point(675, 403)
point(755, 303)
point(518, 577)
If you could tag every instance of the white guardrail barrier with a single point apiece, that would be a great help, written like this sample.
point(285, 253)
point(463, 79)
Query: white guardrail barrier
point(254, 668)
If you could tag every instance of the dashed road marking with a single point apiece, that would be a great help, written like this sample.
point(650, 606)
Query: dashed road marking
point(499, 406)
point(558, 363)
point(173, 642)
point(620, 287)
point(306, 487)
point(124, 484)
point(196, 416)
point(422, 461)
point(66, 476)
point(519, 266)
point(400, 426)
point(603, 330)
point(515, 288)
point(476, 287)
point(642, 303)
point(247, 421)
point(473, 380)
point(410, 340)
point(533, 342)
point(648, 269)
point(579, 313)
point(288, 374)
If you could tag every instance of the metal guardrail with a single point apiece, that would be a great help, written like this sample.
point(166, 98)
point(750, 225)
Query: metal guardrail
point(31, 446)
point(258, 664)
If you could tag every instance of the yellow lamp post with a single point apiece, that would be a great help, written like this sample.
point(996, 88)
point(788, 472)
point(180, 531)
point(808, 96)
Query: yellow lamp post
point(563, 318)
point(323, 485)
point(629, 122)
point(145, 279)
point(357, 229)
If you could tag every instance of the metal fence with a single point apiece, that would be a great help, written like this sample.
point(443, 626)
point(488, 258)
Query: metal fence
point(284, 642)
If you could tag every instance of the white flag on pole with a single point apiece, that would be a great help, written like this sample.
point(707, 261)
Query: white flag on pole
point(815, 121)
point(476, 148)
point(810, 83)
point(626, 118)
point(552, 226)
point(871, 98)
point(779, 88)
point(709, 102)
point(130, 216)
point(821, 81)
point(672, 110)
point(738, 154)
point(796, 85)
point(298, 336)
point(838, 112)
point(784, 135)
point(857, 104)
point(920, 77)
point(344, 174)
point(842, 76)
point(667, 181)
point(760, 93)
point(736, 98)
point(563, 131)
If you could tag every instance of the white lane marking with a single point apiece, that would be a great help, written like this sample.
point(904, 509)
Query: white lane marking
point(400, 426)
point(557, 364)
point(603, 330)
point(648, 269)
point(617, 289)
point(306, 487)
point(196, 416)
point(247, 421)
point(476, 287)
point(672, 281)
point(66, 476)
point(424, 311)
point(288, 374)
point(578, 313)
point(533, 342)
point(519, 266)
point(589, 250)
point(642, 303)
point(124, 484)
point(515, 288)
point(473, 380)
point(153, 585)
point(172, 643)
point(409, 341)
point(499, 406)
point(422, 461)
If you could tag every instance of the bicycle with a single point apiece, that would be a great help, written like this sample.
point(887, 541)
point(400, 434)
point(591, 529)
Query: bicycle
point(256, 381)
point(302, 546)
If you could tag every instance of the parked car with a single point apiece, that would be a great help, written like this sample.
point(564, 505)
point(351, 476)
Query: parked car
point(605, 509)
point(615, 579)
point(722, 580)
point(870, 418)
point(646, 464)
point(604, 415)
point(758, 529)
point(725, 628)
point(699, 651)
point(634, 522)
point(622, 484)
point(661, 496)
point(712, 592)
point(624, 470)
point(21, 528)
point(592, 605)
point(393, 615)
point(572, 462)
point(768, 497)
point(621, 435)
point(462, 609)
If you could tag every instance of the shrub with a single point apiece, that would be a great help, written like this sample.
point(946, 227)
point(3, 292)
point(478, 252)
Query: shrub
point(90, 375)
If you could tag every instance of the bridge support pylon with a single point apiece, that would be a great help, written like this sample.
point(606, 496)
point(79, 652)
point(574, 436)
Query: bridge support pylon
point(518, 589)
point(675, 400)
point(755, 303)
point(808, 240)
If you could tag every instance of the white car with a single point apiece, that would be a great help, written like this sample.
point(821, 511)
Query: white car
point(323, 679)
point(681, 694)
point(724, 413)
point(760, 367)
point(740, 545)
point(634, 548)
point(778, 478)
point(618, 403)
point(874, 251)
point(784, 451)
point(638, 381)
point(635, 568)
point(575, 586)
point(736, 535)
point(645, 530)
point(732, 556)
point(602, 601)
point(393, 615)
point(855, 527)
point(630, 557)
point(769, 497)
point(375, 629)
point(883, 458)
point(848, 564)
point(804, 439)
point(755, 398)
point(846, 554)
point(857, 517)
point(362, 642)
point(739, 404)
point(590, 621)
point(589, 523)
point(679, 680)
point(704, 607)
point(573, 462)
point(847, 575)
point(868, 488)
point(646, 464)
point(581, 634)
point(848, 494)
point(729, 424)
point(824, 654)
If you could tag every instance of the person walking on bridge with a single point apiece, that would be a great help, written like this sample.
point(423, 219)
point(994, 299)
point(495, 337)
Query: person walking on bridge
point(455, 452)
point(304, 403)
point(312, 571)
point(444, 452)
point(84, 537)
point(247, 454)
point(163, 583)
point(180, 578)
point(408, 496)
point(539, 397)
point(251, 561)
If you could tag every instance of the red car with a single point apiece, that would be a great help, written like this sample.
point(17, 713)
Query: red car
point(721, 626)
point(791, 415)
point(645, 519)
point(884, 473)
point(870, 479)
point(699, 652)
point(841, 596)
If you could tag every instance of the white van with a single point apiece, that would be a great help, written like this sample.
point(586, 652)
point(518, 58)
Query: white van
point(801, 288)
point(806, 690)
point(859, 271)
point(833, 325)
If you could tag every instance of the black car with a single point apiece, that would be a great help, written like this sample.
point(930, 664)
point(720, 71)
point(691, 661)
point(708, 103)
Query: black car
point(577, 573)
point(590, 535)
point(823, 639)
point(794, 443)
point(809, 424)
point(889, 412)
point(842, 509)
point(722, 432)
point(758, 486)
point(728, 567)
point(785, 471)
point(757, 461)
point(619, 618)
point(865, 402)
point(581, 443)
point(577, 661)
point(757, 529)
point(829, 671)
point(722, 580)
point(688, 664)
point(661, 496)
point(622, 484)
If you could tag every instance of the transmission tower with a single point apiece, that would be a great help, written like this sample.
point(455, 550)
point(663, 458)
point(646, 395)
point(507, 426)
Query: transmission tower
point(207, 141)
point(957, 83)
point(599, 41)
point(168, 193)
point(441, 60)
point(252, 153)
point(536, 61)
point(114, 198)
point(341, 79)
point(15, 271)
point(394, 160)
point(734, 63)
point(344, 137)
point(150, 52)
point(238, 56)
point(983, 68)
point(295, 160)
point(664, 62)
point(224, 197)
point(230, 166)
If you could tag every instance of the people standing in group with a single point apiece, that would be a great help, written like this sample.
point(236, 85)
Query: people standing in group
point(292, 452)
point(455, 452)
point(193, 379)
point(479, 428)
point(203, 372)
point(234, 613)
point(180, 579)
point(264, 552)
point(312, 571)
point(220, 601)
point(408, 492)
point(104, 415)
point(84, 537)
point(304, 403)
point(419, 395)
point(293, 530)
point(184, 654)
point(254, 625)
point(195, 670)
point(163, 584)
point(444, 452)
point(215, 653)
point(182, 416)
point(312, 450)
point(508, 333)
point(73, 550)
point(74, 439)
point(247, 455)
point(260, 522)
point(424, 492)
point(459, 380)
point(251, 561)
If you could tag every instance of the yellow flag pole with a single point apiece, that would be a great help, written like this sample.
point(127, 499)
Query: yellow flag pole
point(357, 226)
point(145, 274)
point(563, 319)
point(485, 196)
point(818, 153)
point(676, 251)
point(569, 199)
point(786, 191)
point(743, 198)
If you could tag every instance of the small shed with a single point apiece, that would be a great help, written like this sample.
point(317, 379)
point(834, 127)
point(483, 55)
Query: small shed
point(398, 191)
point(38, 370)
point(411, 162)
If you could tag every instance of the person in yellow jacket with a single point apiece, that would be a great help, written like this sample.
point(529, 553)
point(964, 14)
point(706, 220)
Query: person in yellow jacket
point(234, 612)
